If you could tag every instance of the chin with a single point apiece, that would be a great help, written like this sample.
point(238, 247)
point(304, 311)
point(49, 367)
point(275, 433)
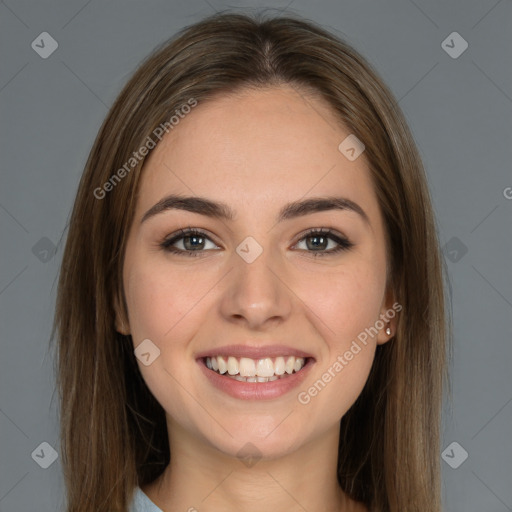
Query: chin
point(258, 438)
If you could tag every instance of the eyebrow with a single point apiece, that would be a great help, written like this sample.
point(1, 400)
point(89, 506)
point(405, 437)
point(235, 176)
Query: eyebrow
point(209, 208)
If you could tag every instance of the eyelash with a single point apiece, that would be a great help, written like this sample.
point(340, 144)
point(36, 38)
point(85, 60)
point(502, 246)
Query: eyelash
point(343, 243)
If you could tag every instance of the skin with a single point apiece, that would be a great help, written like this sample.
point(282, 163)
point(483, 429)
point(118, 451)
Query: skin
point(255, 151)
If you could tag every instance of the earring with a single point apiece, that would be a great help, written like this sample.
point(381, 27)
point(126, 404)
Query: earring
point(388, 331)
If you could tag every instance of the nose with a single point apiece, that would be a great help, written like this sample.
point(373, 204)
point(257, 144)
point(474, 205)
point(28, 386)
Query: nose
point(255, 293)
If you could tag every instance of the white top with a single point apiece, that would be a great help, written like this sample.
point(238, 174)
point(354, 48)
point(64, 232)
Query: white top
point(141, 503)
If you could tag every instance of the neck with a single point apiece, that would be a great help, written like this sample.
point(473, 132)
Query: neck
point(200, 477)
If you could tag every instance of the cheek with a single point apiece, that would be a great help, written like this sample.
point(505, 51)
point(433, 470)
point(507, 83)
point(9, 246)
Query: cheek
point(158, 299)
point(345, 302)
point(149, 306)
point(158, 302)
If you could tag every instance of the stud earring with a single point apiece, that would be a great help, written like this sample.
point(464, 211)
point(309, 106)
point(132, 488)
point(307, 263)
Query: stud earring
point(388, 331)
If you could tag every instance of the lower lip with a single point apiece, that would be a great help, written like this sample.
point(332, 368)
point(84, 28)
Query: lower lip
point(256, 390)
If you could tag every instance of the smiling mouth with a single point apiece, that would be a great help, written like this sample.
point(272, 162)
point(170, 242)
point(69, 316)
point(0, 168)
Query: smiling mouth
point(245, 369)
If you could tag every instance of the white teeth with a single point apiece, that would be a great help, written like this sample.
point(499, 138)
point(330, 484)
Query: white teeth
point(279, 366)
point(223, 367)
point(247, 367)
point(232, 365)
point(290, 363)
point(265, 368)
point(250, 370)
point(298, 364)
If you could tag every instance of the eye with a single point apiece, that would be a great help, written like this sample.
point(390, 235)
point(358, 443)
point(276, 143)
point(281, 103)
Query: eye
point(194, 242)
point(187, 242)
point(318, 240)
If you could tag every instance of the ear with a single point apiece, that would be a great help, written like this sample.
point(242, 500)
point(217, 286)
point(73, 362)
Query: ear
point(121, 321)
point(388, 318)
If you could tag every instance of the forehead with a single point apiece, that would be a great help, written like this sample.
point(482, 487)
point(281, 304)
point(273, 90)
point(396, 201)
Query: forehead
point(259, 147)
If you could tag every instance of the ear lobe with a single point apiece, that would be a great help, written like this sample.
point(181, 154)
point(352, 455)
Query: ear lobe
point(383, 336)
point(121, 323)
point(387, 322)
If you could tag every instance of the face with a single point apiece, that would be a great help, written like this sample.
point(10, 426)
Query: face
point(270, 288)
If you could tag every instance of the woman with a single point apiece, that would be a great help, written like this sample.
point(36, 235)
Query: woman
point(250, 309)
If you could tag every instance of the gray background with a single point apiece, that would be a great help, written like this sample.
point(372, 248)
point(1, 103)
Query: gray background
point(460, 112)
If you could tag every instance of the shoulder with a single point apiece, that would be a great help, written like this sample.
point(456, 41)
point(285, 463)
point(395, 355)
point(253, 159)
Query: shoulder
point(141, 502)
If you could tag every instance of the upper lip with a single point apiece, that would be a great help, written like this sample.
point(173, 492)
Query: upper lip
point(253, 352)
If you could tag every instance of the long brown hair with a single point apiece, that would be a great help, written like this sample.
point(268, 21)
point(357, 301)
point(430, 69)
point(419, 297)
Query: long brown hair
point(113, 431)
